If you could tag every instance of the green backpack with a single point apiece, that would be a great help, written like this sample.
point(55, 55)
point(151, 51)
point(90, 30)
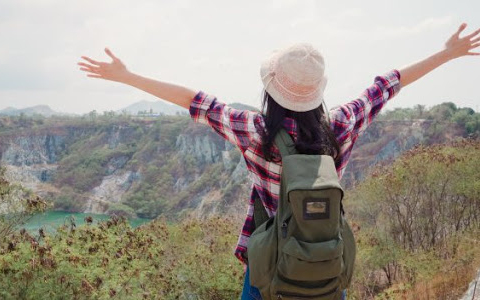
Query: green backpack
point(307, 250)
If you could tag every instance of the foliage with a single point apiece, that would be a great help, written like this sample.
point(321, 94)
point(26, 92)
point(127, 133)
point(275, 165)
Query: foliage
point(17, 205)
point(418, 218)
point(464, 117)
point(192, 259)
point(94, 146)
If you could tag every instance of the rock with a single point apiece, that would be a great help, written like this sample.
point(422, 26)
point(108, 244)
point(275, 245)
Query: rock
point(33, 150)
point(204, 148)
point(110, 190)
point(116, 163)
point(473, 292)
point(181, 184)
point(240, 173)
point(384, 141)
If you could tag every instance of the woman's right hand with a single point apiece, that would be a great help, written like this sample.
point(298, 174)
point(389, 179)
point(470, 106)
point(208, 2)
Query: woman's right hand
point(455, 47)
point(458, 46)
point(114, 71)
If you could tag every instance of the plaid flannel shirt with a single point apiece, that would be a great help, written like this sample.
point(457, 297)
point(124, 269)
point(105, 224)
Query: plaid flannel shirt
point(242, 128)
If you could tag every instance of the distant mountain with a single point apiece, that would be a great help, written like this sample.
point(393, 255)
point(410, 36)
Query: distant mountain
point(156, 107)
point(160, 107)
point(43, 110)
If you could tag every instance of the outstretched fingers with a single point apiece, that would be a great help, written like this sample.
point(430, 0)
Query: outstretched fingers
point(92, 61)
point(93, 75)
point(473, 33)
point(477, 39)
point(89, 67)
point(89, 70)
point(473, 47)
point(114, 70)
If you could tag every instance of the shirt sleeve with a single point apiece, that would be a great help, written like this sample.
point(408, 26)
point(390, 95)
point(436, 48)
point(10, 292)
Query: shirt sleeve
point(235, 125)
point(349, 120)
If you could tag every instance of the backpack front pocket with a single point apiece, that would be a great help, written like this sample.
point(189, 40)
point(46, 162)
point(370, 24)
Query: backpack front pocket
point(311, 262)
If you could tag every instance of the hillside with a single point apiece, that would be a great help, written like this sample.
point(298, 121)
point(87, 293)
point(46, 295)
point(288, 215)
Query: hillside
point(416, 231)
point(164, 166)
point(171, 166)
point(43, 110)
point(417, 224)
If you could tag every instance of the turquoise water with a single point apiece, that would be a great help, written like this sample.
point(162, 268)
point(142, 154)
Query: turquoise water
point(51, 219)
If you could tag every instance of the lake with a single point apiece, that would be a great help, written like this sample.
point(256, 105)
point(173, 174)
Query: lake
point(51, 219)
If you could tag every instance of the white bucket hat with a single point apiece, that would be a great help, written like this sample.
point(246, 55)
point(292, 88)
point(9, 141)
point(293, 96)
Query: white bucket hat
point(295, 78)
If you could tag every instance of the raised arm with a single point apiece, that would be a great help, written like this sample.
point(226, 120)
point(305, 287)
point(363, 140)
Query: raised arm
point(348, 121)
point(455, 47)
point(117, 71)
point(234, 125)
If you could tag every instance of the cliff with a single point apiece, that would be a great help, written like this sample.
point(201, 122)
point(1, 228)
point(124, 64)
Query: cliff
point(385, 140)
point(169, 166)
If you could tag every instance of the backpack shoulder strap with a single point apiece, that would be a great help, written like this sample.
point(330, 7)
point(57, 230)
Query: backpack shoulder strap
point(286, 146)
point(285, 143)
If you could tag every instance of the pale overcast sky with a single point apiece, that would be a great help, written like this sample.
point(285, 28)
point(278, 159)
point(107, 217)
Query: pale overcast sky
point(217, 46)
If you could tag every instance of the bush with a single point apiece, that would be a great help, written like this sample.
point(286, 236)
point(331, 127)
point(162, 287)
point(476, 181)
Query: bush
point(417, 217)
point(192, 259)
point(17, 205)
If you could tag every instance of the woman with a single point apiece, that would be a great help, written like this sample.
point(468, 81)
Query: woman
point(294, 83)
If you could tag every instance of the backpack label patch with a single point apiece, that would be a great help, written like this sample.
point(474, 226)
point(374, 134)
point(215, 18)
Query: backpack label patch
point(316, 208)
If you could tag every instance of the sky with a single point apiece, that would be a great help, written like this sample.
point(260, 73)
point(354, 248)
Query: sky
point(217, 46)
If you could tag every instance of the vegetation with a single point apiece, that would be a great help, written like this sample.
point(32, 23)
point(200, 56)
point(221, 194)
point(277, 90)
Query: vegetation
point(94, 146)
point(17, 205)
point(465, 117)
point(189, 260)
point(415, 221)
point(419, 224)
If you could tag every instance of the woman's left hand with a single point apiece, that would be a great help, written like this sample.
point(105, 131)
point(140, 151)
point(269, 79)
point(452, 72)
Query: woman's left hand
point(457, 46)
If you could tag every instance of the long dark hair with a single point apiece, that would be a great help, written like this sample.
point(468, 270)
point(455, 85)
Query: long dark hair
point(314, 135)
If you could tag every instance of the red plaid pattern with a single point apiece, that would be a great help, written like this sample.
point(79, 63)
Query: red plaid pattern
point(242, 127)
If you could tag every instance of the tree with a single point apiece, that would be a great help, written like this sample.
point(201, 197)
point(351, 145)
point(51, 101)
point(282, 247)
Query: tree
point(93, 115)
point(17, 205)
point(420, 110)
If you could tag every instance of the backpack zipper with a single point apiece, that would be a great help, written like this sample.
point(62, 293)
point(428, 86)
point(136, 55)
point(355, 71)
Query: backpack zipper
point(285, 227)
point(280, 294)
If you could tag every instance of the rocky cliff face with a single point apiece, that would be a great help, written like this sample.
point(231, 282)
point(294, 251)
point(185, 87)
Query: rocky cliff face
point(206, 175)
point(383, 141)
point(33, 158)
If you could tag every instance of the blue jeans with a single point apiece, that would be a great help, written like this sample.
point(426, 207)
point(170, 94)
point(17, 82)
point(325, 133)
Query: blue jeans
point(249, 292)
point(252, 293)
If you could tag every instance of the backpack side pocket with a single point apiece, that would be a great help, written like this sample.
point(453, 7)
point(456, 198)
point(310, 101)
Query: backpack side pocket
point(349, 253)
point(262, 255)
